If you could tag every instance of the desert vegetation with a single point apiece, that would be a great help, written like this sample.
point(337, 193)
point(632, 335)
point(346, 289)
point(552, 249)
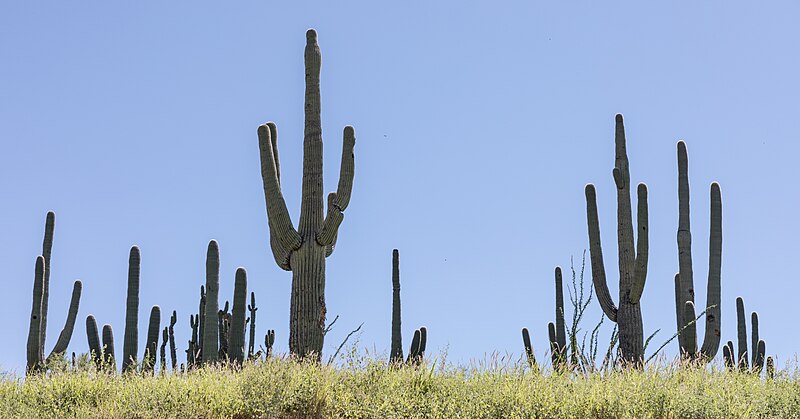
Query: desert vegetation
point(230, 370)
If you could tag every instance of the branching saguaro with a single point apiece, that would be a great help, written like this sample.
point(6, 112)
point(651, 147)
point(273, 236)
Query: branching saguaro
point(41, 296)
point(684, 282)
point(303, 250)
point(632, 261)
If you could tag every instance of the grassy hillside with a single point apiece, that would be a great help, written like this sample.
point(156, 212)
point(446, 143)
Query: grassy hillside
point(365, 388)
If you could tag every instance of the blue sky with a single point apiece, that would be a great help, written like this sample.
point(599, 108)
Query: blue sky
point(477, 127)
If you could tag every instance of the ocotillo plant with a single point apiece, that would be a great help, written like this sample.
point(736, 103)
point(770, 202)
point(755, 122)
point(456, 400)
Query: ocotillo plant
point(396, 355)
point(236, 333)
point(210, 336)
point(684, 282)
point(757, 349)
point(252, 309)
point(303, 251)
point(131, 338)
point(41, 296)
point(154, 326)
point(632, 261)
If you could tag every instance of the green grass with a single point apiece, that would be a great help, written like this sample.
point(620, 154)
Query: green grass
point(364, 388)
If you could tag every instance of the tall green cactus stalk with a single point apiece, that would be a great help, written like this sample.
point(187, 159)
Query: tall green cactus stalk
point(192, 353)
point(396, 355)
point(41, 299)
point(108, 347)
point(35, 358)
point(303, 251)
point(252, 309)
point(632, 261)
point(413, 350)
point(164, 341)
point(557, 331)
point(223, 323)
point(210, 336)
point(236, 340)
point(131, 338)
point(269, 340)
point(171, 336)
point(95, 351)
point(153, 329)
point(200, 315)
point(684, 280)
point(526, 341)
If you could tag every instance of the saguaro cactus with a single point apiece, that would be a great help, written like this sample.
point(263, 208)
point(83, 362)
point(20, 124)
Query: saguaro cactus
point(303, 251)
point(557, 331)
point(41, 295)
point(252, 309)
point(131, 337)
point(171, 336)
point(108, 347)
point(236, 340)
point(153, 329)
point(632, 262)
point(95, 351)
point(396, 355)
point(758, 346)
point(210, 336)
point(684, 282)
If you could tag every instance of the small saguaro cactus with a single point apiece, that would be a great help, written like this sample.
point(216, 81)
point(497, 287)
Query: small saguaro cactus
point(41, 296)
point(269, 340)
point(108, 347)
point(95, 350)
point(131, 338)
point(396, 355)
point(418, 344)
point(236, 339)
point(201, 315)
point(210, 336)
point(153, 329)
point(557, 330)
point(684, 282)
point(164, 341)
point(632, 261)
point(526, 341)
point(252, 309)
point(193, 352)
point(757, 348)
point(303, 250)
point(171, 336)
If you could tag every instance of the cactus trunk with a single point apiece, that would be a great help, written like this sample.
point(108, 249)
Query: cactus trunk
point(35, 359)
point(252, 309)
point(209, 319)
point(108, 347)
point(95, 351)
point(131, 337)
point(153, 329)
point(171, 336)
point(236, 342)
point(396, 355)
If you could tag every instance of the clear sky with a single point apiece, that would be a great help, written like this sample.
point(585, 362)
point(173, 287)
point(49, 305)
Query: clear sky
point(477, 127)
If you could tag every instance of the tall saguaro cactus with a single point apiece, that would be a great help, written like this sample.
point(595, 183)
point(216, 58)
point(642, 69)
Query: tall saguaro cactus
point(210, 336)
point(396, 355)
point(131, 337)
point(303, 250)
point(632, 261)
point(236, 340)
point(684, 281)
point(41, 295)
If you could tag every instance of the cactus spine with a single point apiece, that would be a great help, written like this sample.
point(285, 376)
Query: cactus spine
point(684, 281)
point(396, 355)
point(303, 251)
point(38, 325)
point(108, 347)
point(632, 262)
point(252, 309)
point(210, 336)
point(153, 329)
point(131, 337)
point(236, 340)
